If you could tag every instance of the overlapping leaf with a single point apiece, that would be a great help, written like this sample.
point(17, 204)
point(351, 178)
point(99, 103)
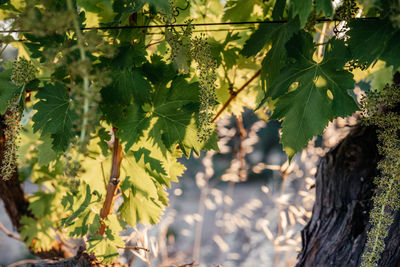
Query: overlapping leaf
point(277, 35)
point(308, 109)
point(239, 10)
point(54, 115)
point(370, 39)
point(373, 40)
point(325, 6)
point(171, 116)
point(7, 90)
point(302, 8)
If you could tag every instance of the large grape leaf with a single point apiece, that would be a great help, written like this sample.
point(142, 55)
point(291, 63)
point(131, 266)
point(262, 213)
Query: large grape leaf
point(38, 234)
point(171, 116)
point(277, 35)
point(369, 40)
point(302, 8)
point(260, 38)
point(279, 8)
point(54, 115)
point(392, 51)
point(321, 93)
point(85, 208)
point(137, 207)
point(106, 249)
point(325, 6)
point(7, 90)
point(154, 154)
point(126, 85)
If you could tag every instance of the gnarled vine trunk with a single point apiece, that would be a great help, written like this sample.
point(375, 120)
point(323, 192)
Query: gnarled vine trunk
point(336, 233)
point(16, 204)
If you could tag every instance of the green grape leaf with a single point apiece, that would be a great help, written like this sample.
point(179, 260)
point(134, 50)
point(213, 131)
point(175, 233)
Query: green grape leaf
point(308, 109)
point(324, 6)
point(159, 153)
point(276, 56)
point(391, 54)
point(302, 8)
point(171, 116)
point(38, 234)
point(279, 8)
point(162, 5)
point(158, 72)
point(277, 35)
point(85, 216)
point(102, 9)
point(139, 208)
point(129, 56)
point(54, 115)
point(131, 127)
point(104, 137)
point(239, 10)
point(45, 153)
point(260, 38)
point(152, 166)
point(105, 249)
point(126, 85)
point(8, 90)
point(368, 39)
point(41, 203)
point(115, 226)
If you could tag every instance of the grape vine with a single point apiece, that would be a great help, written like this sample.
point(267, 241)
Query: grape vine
point(123, 89)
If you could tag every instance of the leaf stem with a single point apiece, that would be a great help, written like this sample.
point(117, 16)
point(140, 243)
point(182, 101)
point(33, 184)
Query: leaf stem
point(234, 94)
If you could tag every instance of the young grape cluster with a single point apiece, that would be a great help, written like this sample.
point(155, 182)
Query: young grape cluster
point(206, 68)
point(355, 64)
point(347, 10)
point(11, 144)
point(180, 44)
point(22, 73)
point(184, 49)
point(380, 108)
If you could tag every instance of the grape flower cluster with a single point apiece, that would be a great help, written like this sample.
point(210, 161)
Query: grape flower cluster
point(206, 68)
point(22, 73)
point(380, 109)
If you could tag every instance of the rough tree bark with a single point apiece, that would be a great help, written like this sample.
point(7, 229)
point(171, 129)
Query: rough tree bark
point(336, 233)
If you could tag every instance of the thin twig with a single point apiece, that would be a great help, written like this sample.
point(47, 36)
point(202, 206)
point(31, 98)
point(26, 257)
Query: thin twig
point(65, 242)
point(135, 248)
point(241, 152)
point(234, 94)
point(8, 233)
point(3, 49)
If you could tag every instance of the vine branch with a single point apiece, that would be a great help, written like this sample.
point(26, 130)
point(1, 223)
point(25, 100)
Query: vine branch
point(234, 94)
point(8, 233)
point(113, 183)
